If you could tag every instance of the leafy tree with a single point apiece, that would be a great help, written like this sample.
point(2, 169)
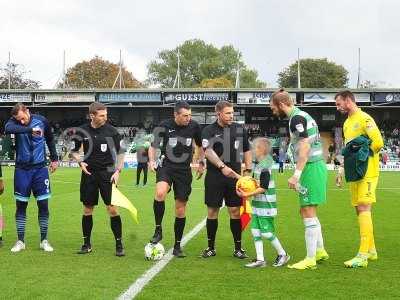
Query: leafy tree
point(315, 73)
point(220, 82)
point(200, 61)
point(18, 78)
point(98, 73)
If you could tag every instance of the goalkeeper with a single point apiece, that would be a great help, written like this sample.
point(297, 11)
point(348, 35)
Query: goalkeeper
point(264, 206)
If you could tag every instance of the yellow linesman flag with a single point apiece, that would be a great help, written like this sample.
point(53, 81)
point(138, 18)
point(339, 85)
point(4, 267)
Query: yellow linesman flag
point(119, 199)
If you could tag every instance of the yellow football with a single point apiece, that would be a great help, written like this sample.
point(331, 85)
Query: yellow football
point(247, 184)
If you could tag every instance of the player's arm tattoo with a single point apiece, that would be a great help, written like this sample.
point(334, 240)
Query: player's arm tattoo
point(304, 150)
point(213, 158)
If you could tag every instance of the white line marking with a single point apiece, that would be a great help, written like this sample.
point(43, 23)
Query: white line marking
point(202, 188)
point(135, 288)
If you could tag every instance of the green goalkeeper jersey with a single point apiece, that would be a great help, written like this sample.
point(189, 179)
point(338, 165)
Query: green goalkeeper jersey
point(264, 205)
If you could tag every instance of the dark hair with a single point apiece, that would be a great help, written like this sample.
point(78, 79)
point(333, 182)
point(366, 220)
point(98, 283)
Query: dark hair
point(17, 107)
point(95, 107)
point(346, 94)
point(222, 104)
point(281, 96)
point(181, 105)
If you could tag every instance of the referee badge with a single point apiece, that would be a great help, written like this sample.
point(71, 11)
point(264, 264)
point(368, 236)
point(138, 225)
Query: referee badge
point(172, 142)
point(205, 143)
point(103, 147)
point(188, 141)
point(237, 145)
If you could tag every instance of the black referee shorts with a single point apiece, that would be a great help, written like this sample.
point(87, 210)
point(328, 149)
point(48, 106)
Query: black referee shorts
point(219, 188)
point(179, 179)
point(92, 184)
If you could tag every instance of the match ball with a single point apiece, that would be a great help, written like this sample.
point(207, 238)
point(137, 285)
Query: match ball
point(154, 251)
point(246, 184)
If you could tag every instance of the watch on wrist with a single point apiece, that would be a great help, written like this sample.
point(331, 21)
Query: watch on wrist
point(222, 166)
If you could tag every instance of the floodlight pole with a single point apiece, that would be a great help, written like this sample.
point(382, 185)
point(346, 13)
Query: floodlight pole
point(298, 69)
point(119, 75)
point(9, 70)
point(359, 68)
point(237, 83)
point(177, 81)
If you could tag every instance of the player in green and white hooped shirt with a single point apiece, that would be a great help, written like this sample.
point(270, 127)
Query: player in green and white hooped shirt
point(264, 206)
point(310, 175)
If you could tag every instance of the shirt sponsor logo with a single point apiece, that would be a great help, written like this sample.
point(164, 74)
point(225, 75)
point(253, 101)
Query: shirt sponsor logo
point(172, 142)
point(171, 130)
point(205, 143)
point(103, 147)
point(300, 127)
point(369, 124)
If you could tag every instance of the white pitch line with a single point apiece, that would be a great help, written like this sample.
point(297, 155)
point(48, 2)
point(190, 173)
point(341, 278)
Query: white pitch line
point(202, 188)
point(136, 287)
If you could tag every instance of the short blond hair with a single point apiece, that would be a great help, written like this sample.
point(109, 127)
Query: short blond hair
point(281, 96)
point(263, 141)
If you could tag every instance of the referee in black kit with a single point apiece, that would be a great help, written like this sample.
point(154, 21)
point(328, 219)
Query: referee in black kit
point(102, 163)
point(224, 142)
point(175, 138)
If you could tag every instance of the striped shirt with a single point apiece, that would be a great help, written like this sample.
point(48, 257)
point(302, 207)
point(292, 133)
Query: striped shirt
point(264, 205)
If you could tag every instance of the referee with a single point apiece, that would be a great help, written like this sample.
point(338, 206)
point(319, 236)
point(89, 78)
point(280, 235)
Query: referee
point(224, 141)
point(175, 138)
point(102, 163)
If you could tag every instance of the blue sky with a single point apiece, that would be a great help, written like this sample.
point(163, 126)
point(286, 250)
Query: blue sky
point(268, 33)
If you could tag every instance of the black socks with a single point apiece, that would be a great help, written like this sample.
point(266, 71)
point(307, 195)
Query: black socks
point(212, 226)
point(179, 226)
point(87, 225)
point(236, 229)
point(158, 208)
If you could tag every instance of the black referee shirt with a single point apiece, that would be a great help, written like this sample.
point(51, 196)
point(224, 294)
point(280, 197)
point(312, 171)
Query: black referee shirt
point(229, 143)
point(100, 145)
point(176, 142)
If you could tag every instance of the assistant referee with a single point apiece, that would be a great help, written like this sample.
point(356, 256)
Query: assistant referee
point(224, 142)
point(102, 163)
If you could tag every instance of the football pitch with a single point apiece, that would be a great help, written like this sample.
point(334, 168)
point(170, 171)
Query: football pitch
point(33, 274)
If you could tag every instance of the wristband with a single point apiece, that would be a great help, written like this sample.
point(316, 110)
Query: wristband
point(297, 173)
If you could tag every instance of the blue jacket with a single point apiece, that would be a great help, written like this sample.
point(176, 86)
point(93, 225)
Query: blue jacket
point(31, 150)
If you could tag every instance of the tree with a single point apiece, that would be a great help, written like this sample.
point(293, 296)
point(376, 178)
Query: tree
point(18, 79)
point(220, 82)
point(98, 73)
point(315, 73)
point(200, 61)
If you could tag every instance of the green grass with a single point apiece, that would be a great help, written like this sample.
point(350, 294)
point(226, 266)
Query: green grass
point(33, 274)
